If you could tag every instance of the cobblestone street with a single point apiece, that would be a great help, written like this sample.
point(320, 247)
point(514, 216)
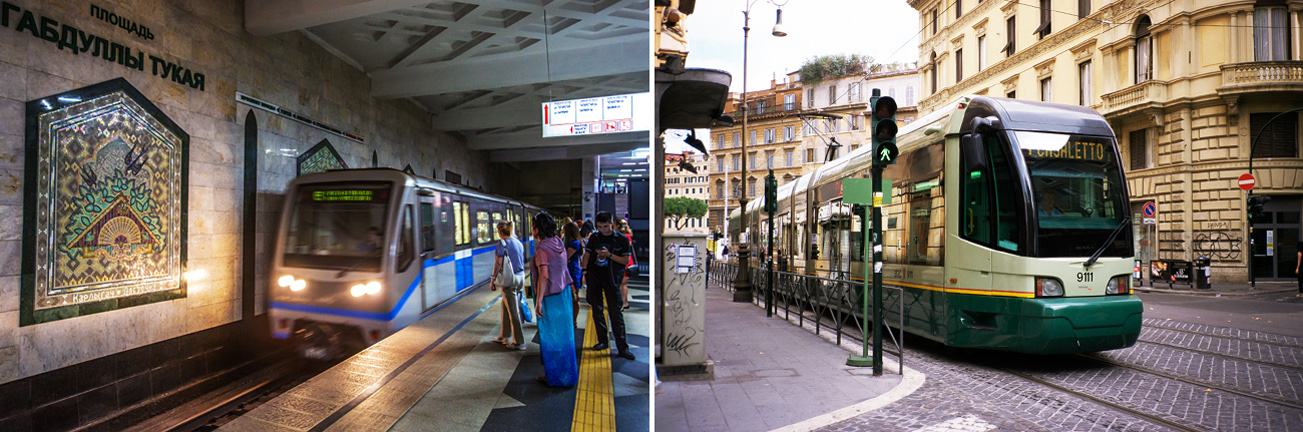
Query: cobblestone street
point(1179, 376)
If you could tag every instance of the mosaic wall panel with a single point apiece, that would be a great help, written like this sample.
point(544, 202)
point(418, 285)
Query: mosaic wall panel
point(320, 158)
point(105, 194)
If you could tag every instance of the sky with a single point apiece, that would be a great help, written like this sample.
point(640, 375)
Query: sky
point(883, 29)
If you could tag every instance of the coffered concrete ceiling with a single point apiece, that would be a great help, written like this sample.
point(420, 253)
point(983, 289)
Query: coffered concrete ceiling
point(482, 68)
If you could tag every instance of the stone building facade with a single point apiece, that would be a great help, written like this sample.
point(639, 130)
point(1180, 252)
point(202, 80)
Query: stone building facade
point(848, 97)
point(1185, 87)
point(773, 134)
point(162, 346)
point(681, 183)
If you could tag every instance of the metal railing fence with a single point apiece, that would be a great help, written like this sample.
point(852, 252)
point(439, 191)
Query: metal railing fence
point(833, 304)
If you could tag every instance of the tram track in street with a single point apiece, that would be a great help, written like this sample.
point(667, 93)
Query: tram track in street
point(1219, 387)
point(1229, 337)
point(1225, 356)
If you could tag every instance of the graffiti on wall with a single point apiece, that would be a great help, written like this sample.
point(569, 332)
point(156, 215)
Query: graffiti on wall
point(684, 330)
point(106, 178)
point(1218, 245)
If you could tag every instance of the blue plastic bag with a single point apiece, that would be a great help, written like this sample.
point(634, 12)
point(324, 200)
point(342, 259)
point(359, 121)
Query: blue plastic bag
point(525, 313)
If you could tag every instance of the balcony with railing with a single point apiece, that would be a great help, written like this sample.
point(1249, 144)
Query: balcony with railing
point(1147, 94)
point(1268, 76)
point(763, 106)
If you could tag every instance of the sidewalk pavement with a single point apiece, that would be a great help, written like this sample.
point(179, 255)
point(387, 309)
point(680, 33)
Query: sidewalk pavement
point(768, 374)
point(1221, 289)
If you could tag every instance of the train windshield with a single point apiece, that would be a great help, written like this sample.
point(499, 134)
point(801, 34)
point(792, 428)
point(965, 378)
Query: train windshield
point(1078, 193)
point(338, 226)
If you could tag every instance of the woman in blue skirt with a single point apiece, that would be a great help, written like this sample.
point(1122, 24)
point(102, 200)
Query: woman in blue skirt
point(552, 299)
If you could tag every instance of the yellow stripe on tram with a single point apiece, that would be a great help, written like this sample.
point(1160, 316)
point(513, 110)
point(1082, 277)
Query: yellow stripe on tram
point(595, 398)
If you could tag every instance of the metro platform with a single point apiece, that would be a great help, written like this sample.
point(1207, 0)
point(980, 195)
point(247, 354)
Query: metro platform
point(446, 373)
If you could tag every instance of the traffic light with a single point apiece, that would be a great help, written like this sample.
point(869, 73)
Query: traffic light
point(1255, 206)
point(771, 193)
point(883, 124)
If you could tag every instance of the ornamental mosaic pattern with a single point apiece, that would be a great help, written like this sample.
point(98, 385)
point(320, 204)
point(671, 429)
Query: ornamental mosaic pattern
point(109, 212)
point(320, 158)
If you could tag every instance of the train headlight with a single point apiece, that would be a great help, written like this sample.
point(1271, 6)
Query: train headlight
point(373, 288)
point(358, 290)
point(1048, 287)
point(285, 281)
point(1119, 285)
point(298, 285)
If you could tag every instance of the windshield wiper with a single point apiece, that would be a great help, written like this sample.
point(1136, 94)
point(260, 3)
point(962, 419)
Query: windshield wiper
point(1114, 235)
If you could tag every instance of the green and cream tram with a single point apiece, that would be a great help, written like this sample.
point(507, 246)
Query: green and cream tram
point(1007, 228)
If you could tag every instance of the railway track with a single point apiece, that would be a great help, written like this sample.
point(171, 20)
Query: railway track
point(1256, 336)
point(211, 411)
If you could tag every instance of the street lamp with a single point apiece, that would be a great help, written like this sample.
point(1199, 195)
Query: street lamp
point(742, 283)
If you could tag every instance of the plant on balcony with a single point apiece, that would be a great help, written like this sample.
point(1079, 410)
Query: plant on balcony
point(819, 68)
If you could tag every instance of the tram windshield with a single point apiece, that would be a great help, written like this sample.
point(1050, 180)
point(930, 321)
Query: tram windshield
point(338, 226)
point(1078, 193)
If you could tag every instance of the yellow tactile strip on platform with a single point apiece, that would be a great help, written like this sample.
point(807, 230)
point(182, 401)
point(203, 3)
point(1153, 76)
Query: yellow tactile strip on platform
point(595, 398)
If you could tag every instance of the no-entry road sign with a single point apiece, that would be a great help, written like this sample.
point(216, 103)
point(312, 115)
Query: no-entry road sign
point(1247, 182)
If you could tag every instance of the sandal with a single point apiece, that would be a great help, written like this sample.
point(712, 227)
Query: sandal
point(500, 340)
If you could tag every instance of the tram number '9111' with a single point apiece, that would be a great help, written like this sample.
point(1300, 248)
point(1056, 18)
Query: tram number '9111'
point(1086, 277)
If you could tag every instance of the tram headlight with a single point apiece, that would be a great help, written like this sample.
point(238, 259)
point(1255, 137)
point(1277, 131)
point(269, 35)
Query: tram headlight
point(1119, 285)
point(1048, 287)
point(373, 288)
point(285, 281)
point(357, 290)
point(298, 285)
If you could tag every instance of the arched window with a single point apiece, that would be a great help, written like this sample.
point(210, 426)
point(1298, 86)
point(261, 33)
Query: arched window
point(1144, 51)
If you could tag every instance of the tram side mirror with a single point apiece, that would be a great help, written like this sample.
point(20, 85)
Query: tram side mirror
point(974, 152)
point(974, 143)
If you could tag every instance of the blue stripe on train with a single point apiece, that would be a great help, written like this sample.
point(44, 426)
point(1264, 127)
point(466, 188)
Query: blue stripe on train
point(469, 281)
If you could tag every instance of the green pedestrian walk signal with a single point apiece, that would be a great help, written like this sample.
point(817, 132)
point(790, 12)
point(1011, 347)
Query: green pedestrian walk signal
point(883, 124)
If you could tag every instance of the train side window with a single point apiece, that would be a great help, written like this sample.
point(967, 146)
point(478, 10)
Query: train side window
point(456, 217)
point(427, 227)
point(405, 241)
point(483, 222)
point(465, 227)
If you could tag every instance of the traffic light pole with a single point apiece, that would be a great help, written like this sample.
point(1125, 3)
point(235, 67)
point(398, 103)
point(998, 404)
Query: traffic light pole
point(871, 226)
point(771, 196)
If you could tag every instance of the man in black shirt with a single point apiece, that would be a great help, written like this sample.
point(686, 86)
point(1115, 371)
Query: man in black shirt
point(605, 258)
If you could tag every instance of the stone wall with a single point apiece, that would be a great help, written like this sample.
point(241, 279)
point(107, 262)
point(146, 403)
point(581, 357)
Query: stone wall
point(207, 37)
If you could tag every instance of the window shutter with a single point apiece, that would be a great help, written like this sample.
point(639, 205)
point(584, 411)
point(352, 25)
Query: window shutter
point(1279, 140)
point(1138, 149)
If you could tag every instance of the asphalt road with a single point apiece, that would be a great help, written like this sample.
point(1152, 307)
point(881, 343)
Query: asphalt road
point(1279, 313)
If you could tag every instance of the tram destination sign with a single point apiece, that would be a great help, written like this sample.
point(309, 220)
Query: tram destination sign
point(599, 115)
point(1074, 150)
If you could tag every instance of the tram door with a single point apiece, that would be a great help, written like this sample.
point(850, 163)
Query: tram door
point(1276, 239)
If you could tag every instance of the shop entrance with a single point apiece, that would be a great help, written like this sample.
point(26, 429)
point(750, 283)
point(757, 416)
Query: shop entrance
point(1276, 238)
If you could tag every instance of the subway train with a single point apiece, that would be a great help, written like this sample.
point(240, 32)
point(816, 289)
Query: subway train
point(362, 253)
point(1006, 226)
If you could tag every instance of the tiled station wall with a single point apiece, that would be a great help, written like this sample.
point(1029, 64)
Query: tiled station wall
point(68, 373)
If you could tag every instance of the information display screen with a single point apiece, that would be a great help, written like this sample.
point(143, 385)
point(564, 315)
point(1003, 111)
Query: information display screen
point(599, 115)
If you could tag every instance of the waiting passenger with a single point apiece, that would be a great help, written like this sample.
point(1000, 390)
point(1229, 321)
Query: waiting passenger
point(574, 251)
point(552, 300)
point(511, 252)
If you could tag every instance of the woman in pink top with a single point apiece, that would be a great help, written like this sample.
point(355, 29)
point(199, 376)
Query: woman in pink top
point(556, 326)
